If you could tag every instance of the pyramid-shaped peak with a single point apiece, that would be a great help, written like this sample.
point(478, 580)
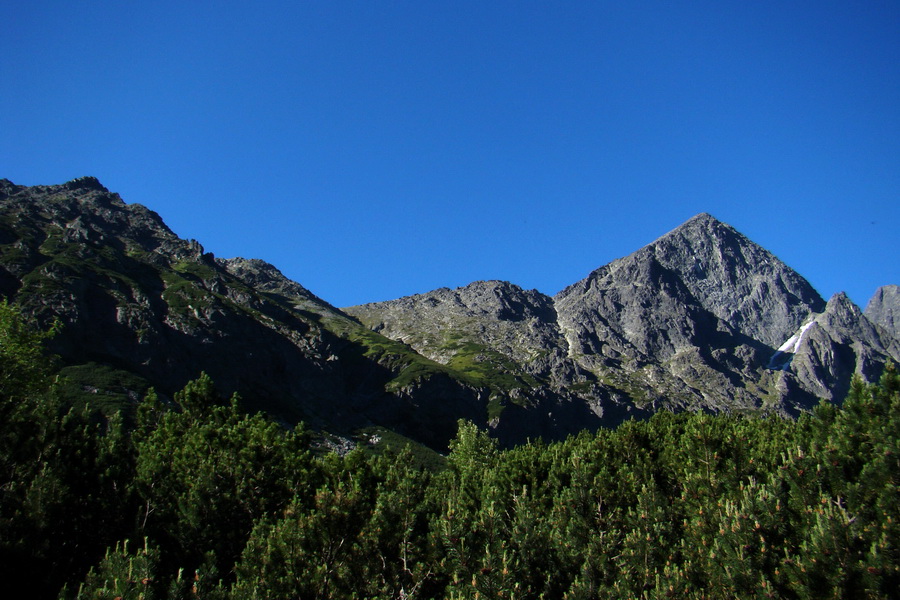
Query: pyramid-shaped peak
point(700, 235)
point(703, 217)
point(710, 265)
point(842, 306)
point(840, 299)
point(702, 225)
point(702, 230)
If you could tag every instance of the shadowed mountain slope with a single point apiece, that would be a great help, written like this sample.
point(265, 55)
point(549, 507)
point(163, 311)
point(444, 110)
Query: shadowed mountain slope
point(134, 296)
point(700, 319)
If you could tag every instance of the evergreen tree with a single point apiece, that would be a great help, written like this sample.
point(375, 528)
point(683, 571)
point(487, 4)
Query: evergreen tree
point(315, 550)
point(207, 474)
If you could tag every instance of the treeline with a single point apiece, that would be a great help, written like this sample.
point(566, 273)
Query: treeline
point(196, 499)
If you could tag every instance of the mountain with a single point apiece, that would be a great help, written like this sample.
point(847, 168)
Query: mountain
point(507, 340)
point(711, 267)
point(139, 304)
point(697, 319)
point(700, 319)
point(693, 315)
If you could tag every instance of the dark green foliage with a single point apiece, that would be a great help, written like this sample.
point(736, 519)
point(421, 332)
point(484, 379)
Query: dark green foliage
point(122, 574)
point(362, 535)
point(391, 442)
point(62, 473)
point(102, 387)
point(315, 549)
point(24, 367)
point(208, 472)
point(196, 499)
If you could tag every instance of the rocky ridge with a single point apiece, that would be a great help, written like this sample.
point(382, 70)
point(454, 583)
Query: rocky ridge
point(134, 297)
point(825, 352)
point(700, 319)
point(884, 308)
point(690, 321)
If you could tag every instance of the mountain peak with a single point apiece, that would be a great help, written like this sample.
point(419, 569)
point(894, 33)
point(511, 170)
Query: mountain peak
point(689, 321)
point(704, 226)
point(707, 263)
point(266, 277)
point(86, 183)
point(884, 308)
point(840, 300)
point(841, 309)
point(703, 217)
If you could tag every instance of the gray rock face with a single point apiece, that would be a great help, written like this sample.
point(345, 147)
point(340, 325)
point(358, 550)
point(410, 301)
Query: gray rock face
point(831, 346)
point(506, 339)
point(687, 320)
point(701, 274)
point(501, 316)
point(700, 319)
point(266, 277)
point(131, 293)
point(692, 320)
point(884, 309)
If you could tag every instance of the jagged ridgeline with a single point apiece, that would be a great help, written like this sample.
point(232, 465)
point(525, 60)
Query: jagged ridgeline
point(700, 319)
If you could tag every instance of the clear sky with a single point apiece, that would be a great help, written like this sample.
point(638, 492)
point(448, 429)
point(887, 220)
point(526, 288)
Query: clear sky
point(377, 149)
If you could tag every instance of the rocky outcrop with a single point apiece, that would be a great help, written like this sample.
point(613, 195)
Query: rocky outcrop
point(130, 293)
point(699, 278)
point(504, 339)
point(687, 320)
point(830, 347)
point(498, 315)
point(884, 309)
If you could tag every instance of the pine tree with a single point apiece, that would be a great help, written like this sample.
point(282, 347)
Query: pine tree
point(123, 574)
point(207, 474)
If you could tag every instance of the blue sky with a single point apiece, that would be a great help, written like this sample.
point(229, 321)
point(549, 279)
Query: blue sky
point(373, 150)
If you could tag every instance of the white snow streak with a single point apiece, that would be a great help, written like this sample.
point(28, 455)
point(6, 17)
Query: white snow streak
point(789, 348)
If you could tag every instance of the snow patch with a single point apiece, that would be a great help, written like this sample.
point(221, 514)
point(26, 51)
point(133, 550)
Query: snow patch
point(794, 341)
point(781, 362)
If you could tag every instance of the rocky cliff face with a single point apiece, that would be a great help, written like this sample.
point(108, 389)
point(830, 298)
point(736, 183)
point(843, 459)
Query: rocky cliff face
point(831, 346)
point(690, 321)
point(700, 319)
point(884, 309)
point(508, 341)
point(129, 292)
point(496, 315)
point(704, 273)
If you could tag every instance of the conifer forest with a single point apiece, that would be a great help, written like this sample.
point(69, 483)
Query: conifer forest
point(192, 497)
